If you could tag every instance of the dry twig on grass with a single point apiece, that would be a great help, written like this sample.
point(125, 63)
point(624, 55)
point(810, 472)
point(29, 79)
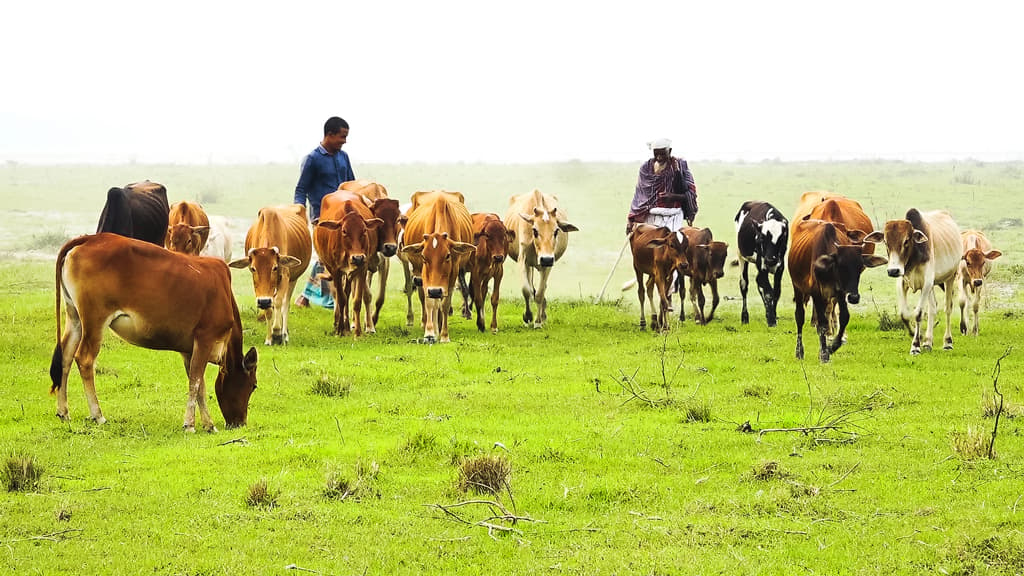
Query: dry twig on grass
point(995, 386)
point(498, 514)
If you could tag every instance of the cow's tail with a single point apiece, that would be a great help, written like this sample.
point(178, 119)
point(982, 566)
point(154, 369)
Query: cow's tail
point(629, 284)
point(57, 362)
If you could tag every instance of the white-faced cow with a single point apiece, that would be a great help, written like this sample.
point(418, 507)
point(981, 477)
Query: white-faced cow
point(155, 299)
point(924, 251)
point(825, 266)
point(137, 211)
point(540, 238)
point(762, 234)
point(277, 252)
point(975, 266)
point(659, 254)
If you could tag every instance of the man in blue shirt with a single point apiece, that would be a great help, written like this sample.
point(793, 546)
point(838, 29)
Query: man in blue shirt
point(323, 170)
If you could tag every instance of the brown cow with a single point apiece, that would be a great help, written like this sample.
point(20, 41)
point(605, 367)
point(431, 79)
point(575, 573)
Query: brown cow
point(441, 220)
point(188, 228)
point(346, 241)
point(808, 202)
point(388, 211)
point(706, 258)
point(277, 248)
point(658, 253)
point(541, 237)
point(368, 188)
point(975, 266)
point(154, 299)
point(825, 266)
point(488, 262)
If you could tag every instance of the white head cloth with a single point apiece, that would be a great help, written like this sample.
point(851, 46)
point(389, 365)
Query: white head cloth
point(659, 144)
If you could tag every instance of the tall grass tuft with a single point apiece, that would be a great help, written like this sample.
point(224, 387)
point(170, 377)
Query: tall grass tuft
point(21, 473)
point(260, 495)
point(696, 411)
point(990, 407)
point(487, 474)
point(330, 387)
point(340, 487)
point(972, 444)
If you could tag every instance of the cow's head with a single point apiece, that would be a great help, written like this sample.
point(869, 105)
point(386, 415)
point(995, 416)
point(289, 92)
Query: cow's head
point(712, 257)
point(235, 384)
point(186, 239)
point(840, 270)
point(770, 239)
point(974, 264)
point(358, 238)
point(904, 244)
point(546, 228)
point(270, 272)
point(492, 241)
point(388, 211)
point(440, 257)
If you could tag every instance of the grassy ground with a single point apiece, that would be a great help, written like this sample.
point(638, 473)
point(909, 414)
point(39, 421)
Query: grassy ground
point(630, 452)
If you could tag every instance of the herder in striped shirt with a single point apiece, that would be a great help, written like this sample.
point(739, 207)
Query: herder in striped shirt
point(665, 192)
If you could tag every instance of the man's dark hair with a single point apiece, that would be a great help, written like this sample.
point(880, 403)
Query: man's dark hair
point(334, 125)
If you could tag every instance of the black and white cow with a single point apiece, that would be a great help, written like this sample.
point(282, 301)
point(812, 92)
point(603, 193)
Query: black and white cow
point(762, 233)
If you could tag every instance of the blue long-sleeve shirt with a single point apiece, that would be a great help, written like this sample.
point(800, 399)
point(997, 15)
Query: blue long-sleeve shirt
point(321, 174)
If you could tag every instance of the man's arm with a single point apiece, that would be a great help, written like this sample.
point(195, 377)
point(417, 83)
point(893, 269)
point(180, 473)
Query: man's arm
point(305, 181)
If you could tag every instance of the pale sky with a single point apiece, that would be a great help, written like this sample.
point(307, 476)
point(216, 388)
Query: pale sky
point(521, 81)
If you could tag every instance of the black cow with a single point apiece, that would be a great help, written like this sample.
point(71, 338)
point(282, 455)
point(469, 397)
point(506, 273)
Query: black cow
point(762, 233)
point(137, 211)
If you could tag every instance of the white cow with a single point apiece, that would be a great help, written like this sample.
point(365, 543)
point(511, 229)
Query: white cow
point(218, 244)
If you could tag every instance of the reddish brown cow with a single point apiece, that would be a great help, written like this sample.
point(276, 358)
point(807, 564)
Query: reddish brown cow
point(278, 249)
point(488, 263)
point(808, 202)
point(388, 211)
point(658, 253)
point(443, 223)
point(975, 266)
point(825, 266)
point(346, 241)
point(188, 228)
point(154, 299)
point(706, 258)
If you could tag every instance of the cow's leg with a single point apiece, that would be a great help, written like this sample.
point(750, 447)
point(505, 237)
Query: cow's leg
point(697, 299)
point(478, 291)
point(776, 294)
point(714, 300)
point(800, 301)
point(359, 297)
point(542, 301)
point(526, 274)
point(384, 270)
point(821, 312)
point(975, 305)
point(681, 290)
point(467, 294)
point(85, 357)
point(197, 388)
point(408, 291)
point(368, 303)
point(965, 284)
point(498, 273)
point(430, 317)
point(764, 288)
point(286, 308)
point(947, 338)
point(916, 314)
point(69, 343)
point(902, 305)
point(929, 312)
point(443, 319)
point(663, 293)
point(844, 320)
point(640, 291)
point(744, 316)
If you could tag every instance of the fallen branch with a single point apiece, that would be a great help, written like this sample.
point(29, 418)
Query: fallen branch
point(995, 386)
point(241, 441)
point(498, 513)
point(843, 477)
point(51, 537)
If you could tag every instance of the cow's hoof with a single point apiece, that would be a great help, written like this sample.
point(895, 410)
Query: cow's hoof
point(187, 429)
point(947, 346)
point(101, 420)
point(65, 417)
point(276, 340)
point(915, 351)
point(429, 340)
point(212, 430)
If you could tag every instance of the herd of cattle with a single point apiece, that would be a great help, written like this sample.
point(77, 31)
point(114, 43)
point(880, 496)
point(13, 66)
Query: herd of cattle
point(188, 306)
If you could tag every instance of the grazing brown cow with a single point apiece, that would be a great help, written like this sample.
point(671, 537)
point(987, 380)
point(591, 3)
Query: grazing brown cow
point(975, 266)
point(488, 263)
point(541, 237)
point(706, 258)
point(825, 266)
point(277, 252)
point(924, 251)
point(445, 226)
point(138, 211)
point(188, 228)
point(658, 253)
point(158, 300)
point(346, 241)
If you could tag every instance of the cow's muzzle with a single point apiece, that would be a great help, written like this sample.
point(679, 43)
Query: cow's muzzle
point(435, 293)
point(853, 298)
point(264, 303)
point(894, 272)
point(498, 258)
point(358, 259)
point(547, 261)
point(977, 283)
point(389, 250)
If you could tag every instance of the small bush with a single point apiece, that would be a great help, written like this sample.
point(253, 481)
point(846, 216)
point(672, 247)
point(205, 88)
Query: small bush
point(21, 473)
point(421, 443)
point(889, 322)
point(261, 496)
point(972, 444)
point(340, 487)
point(765, 471)
point(484, 474)
point(330, 387)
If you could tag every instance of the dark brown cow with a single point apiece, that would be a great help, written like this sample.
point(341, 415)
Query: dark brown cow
point(277, 252)
point(388, 211)
point(441, 220)
point(158, 300)
point(346, 241)
point(488, 263)
point(188, 228)
point(706, 258)
point(825, 266)
point(658, 253)
point(138, 211)
point(975, 266)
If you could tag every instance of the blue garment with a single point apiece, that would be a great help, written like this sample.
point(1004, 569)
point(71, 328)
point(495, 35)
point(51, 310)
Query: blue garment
point(321, 174)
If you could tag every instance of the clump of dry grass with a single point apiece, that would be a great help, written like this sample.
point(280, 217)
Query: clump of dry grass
point(326, 385)
point(340, 487)
point(696, 411)
point(487, 474)
point(21, 473)
point(765, 471)
point(990, 406)
point(972, 444)
point(260, 495)
point(889, 322)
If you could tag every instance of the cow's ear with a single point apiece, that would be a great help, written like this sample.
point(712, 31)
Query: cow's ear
point(655, 242)
point(872, 261)
point(476, 236)
point(413, 249)
point(566, 227)
point(875, 237)
point(824, 262)
point(461, 247)
point(403, 219)
point(920, 237)
point(327, 224)
point(856, 236)
point(289, 261)
point(510, 235)
point(200, 229)
point(993, 254)
point(250, 360)
point(240, 263)
point(374, 223)
point(526, 217)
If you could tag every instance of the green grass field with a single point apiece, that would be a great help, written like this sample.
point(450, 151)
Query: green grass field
point(630, 452)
